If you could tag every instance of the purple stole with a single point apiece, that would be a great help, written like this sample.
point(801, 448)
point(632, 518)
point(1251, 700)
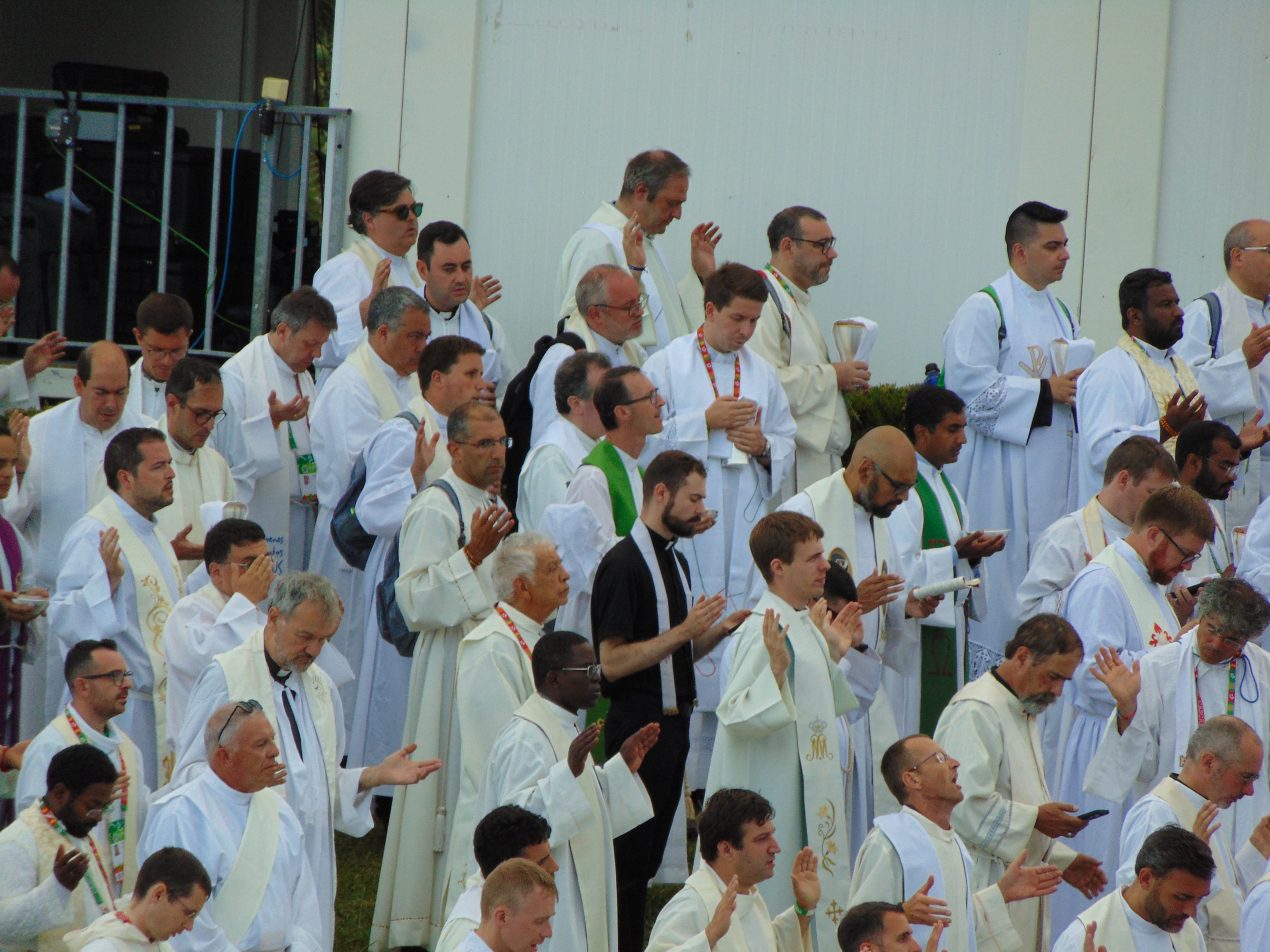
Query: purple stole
point(10, 649)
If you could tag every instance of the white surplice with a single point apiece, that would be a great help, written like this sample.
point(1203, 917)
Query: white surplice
point(1002, 777)
point(1254, 920)
point(15, 388)
point(202, 625)
point(1122, 929)
point(681, 924)
point(147, 397)
point(201, 476)
point(548, 470)
point(463, 918)
point(878, 876)
point(1234, 392)
point(383, 678)
point(208, 818)
point(527, 768)
point(263, 464)
point(801, 357)
point(467, 320)
point(1012, 476)
point(443, 598)
point(1061, 552)
point(1254, 564)
point(83, 606)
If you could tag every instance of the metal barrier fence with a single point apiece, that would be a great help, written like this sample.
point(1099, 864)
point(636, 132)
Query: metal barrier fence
point(68, 124)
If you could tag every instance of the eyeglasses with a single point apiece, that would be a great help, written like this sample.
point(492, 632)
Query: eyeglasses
point(247, 707)
point(244, 564)
point(1230, 469)
point(403, 212)
point(651, 397)
point(938, 756)
point(1188, 557)
point(825, 245)
point(634, 309)
point(897, 486)
point(1265, 248)
point(487, 445)
point(1232, 640)
point(592, 671)
point(203, 417)
point(118, 677)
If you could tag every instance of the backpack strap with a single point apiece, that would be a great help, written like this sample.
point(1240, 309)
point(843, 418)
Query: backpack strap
point(776, 299)
point(446, 488)
point(992, 293)
point(1214, 321)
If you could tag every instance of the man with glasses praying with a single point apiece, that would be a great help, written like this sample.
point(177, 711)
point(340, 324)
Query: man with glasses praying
point(164, 325)
point(99, 682)
point(1130, 597)
point(1161, 698)
point(249, 838)
point(384, 216)
point(541, 762)
point(789, 338)
point(195, 404)
point(1208, 455)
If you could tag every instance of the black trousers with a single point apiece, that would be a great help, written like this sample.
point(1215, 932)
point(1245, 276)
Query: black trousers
point(638, 852)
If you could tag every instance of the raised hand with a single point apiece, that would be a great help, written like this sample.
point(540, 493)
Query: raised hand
point(876, 590)
point(1256, 345)
point(977, 545)
point(774, 642)
point(1252, 435)
point(69, 866)
point(805, 878)
point(489, 527)
point(580, 747)
point(924, 909)
point(704, 239)
point(1206, 823)
point(1090, 930)
point(252, 582)
point(40, 355)
point(633, 244)
point(1028, 882)
point(425, 453)
point(932, 943)
point(1260, 837)
point(636, 747)
point(112, 555)
point(183, 548)
point(842, 631)
point(1123, 682)
point(1183, 408)
point(1058, 820)
point(1085, 873)
point(485, 291)
point(398, 770)
point(721, 921)
point(702, 616)
point(378, 281)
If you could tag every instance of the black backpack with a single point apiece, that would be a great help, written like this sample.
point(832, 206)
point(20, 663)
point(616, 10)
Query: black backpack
point(517, 411)
point(353, 542)
point(392, 624)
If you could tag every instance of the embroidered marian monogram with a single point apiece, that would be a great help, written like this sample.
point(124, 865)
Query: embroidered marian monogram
point(818, 742)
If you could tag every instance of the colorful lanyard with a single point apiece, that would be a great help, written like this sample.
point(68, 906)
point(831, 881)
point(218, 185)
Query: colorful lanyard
point(1230, 692)
point(107, 904)
point(783, 283)
point(117, 826)
point(705, 356)
point(512, 625)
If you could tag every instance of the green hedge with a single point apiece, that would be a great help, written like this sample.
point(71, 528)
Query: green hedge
point(878, 406)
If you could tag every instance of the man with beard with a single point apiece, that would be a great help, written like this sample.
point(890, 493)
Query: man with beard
point(1173, 873)
point(916, 853)
point(648, 633)
point(119, 579)
point(1208, 454)
point(54, 878)
point(990, 727)
point(1122, 600)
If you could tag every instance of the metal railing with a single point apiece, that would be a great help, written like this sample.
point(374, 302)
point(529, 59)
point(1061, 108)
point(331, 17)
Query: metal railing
point(68, 123)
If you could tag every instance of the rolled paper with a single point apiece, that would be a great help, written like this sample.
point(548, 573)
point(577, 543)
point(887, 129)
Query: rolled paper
point(944, 587)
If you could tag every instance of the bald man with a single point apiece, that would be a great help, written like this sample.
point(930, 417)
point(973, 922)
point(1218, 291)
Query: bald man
point(64, 476)
point(852, 505)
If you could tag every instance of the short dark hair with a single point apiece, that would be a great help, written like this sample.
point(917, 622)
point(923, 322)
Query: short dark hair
point(894, 764)
point(788, 223)
point(445, 232)
point(124, 452)
point(188, 373)
point(504, 833)
point(301, 307)
point(864, 923)
point(610, 393)
point(79, 767)
point(552, 652)
point(1139, 456)
point(652, 168)
point(671, 468)
point(775, 536)
point(84, 362)
point(724, 818)
point(458, 426)
point(179, 870)
point(733, 280)
point(164, 313)
point(222, 537)
point(371, 192)
point(1045, 635)
point(927, 405)
point(441, 354)
point(839, 583)
point(1197, 439)
point(1171, 847)
point(79, 660)
point(1021, 226)
point(572, 378)
point(1134, 287)
point(1177, 509)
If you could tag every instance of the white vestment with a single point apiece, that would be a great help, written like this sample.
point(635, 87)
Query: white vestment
point(15, 388)
point(209, 818)
point(1132, 763)
point(1254, 562)
point(548, 470)
point(109, 933)
point(147, 397)
point(443, 598)
point(1002, 777)
point(1254, 920)
point(383, 678)
point(83, 606)
point(202, 476)
point(1120, 929)
point(467, 320)
point(202, 625)
point(1062, 551)
point(681, 924)
point(463, 918)
point(1013, 476)
point(264, 462)
point(778, 740)
point(887, 872)
point(527, 768)
point(64, 480)
point(324, 796)
point(788, 337)
point(1234, 392)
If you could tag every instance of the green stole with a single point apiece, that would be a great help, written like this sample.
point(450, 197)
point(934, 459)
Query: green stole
point(939, 645)
point(603, 457)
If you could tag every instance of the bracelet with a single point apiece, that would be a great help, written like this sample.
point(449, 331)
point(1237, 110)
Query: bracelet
point(1166, 429)
point(633, 268)
point(470, 561)
point(800, 911)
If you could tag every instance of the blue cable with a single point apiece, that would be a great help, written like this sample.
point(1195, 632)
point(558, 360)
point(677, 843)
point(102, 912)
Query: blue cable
point(286, 176)
point(229, 227)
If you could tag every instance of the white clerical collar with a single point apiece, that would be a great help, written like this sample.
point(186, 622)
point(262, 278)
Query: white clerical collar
point(94, 431)
point(142, 524)
point(283, 368)
point(1029, 292)
point(221, 789)
point(109, 739)
point(446, 316)
point(928, 469)
point(180, 455)
point(609, 349)
point(385, 254)
point(1157, 355)
point(794, 291)
point(388, 371)
point(522, 621)
point(568, 718)
point(1111, 519)
point(1195, 799)
point(932, 828)
point(1136, 922)
point(781, 603)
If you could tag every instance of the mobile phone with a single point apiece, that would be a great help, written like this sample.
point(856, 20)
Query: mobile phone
point(1092, 815)
point(1194, 589)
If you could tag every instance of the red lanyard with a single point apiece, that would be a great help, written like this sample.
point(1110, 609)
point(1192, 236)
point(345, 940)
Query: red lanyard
point(705, 356)
point(116, 828)
point(1230, 693)
point(512, 625)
